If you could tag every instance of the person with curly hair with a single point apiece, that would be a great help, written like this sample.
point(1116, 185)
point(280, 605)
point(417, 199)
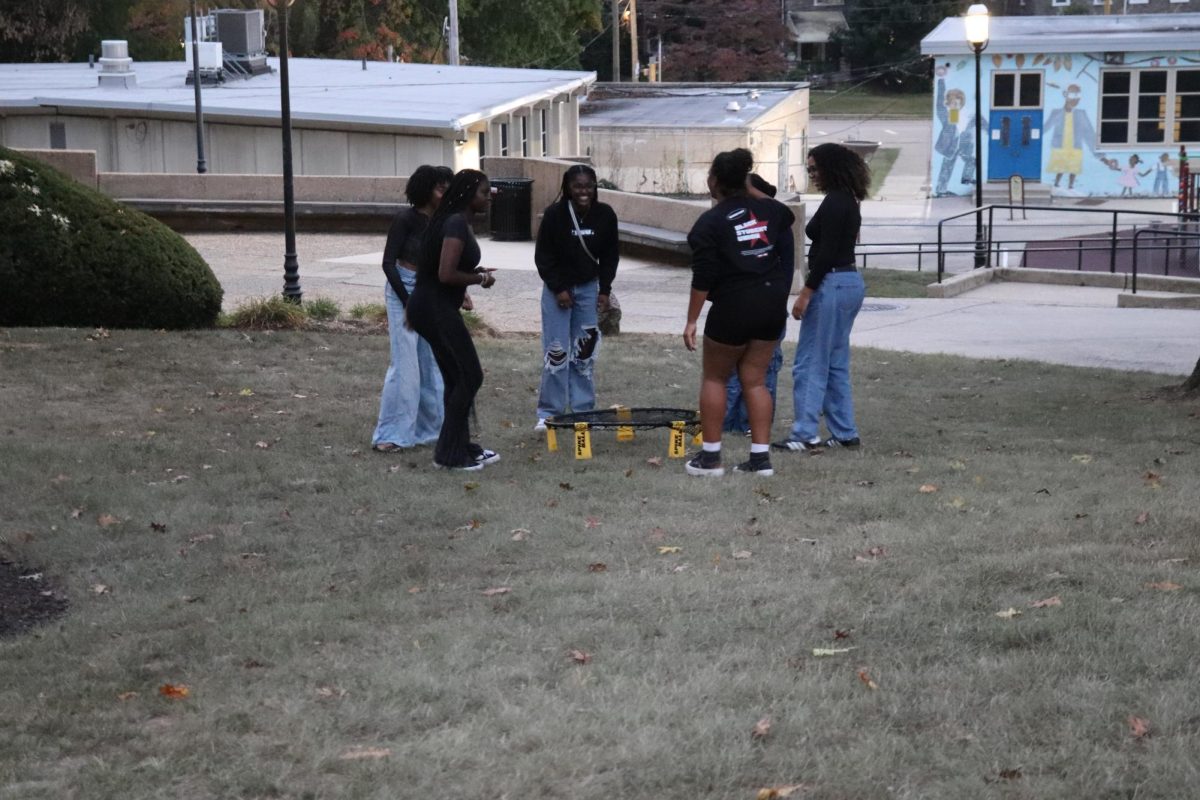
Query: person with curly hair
point(737, 265)
point(828, 304)
point(410, 406)
point(576, 256)
point(449, 263)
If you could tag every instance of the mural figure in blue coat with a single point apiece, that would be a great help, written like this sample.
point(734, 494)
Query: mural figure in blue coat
point(1071, 132)
point(956, 139)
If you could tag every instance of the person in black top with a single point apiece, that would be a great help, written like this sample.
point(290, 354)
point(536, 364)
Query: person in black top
point(736, 264)
point(410, 406)
point(449, 264)
point(832, 296)
point(576, 255)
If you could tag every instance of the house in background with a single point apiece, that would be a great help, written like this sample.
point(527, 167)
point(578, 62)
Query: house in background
point(660, 138)
point(811, 25)
point(1086, 105)
point(1045, 7)
point(384, 119)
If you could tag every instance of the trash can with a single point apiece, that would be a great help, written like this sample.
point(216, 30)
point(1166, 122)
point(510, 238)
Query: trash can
point(512, 201)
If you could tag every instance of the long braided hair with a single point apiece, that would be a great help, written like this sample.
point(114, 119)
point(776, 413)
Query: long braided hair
point(456, 200)
point(564, 192)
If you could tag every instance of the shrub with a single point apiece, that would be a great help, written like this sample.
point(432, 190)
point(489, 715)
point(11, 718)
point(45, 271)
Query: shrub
point(371, 312)
point(266, 313)
point(71, 256)
point(322, 309)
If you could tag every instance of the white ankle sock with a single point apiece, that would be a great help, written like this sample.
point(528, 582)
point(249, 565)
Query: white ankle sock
point(759, 448)
point(712, 447)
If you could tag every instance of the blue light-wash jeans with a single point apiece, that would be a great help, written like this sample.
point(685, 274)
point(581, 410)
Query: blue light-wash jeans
point(570, 343)
point(737, 419)
point(410, 408)
point(821, 371)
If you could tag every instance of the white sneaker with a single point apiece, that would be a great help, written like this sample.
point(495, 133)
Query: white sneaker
point(541, 425)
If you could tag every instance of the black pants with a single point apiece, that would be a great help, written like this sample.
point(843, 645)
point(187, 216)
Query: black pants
point(434, 314)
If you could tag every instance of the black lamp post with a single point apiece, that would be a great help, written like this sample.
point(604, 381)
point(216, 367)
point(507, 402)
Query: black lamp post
point(291, 265)
point(201, 164)
point(976, 24)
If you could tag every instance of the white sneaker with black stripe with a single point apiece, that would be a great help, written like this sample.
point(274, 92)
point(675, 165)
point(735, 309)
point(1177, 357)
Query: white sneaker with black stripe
point(797, 445)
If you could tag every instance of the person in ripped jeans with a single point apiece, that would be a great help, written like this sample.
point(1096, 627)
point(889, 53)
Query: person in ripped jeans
point(576, 256)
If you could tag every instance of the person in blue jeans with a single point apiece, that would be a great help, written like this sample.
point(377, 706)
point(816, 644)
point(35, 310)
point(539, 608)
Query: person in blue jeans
point(410, 406)
point(737, 418)
point(828, 304)
point(576, 256)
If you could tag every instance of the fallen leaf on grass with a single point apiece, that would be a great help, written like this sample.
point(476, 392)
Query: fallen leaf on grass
point(761, 729)
point(471, 486)
point(1164, 586)
point(1142, 518)
point(927, 488)
point(654, 461)
point(100, 588)
point(76, 513)
point(665, 550)
point(158, 527)
point(840, 634)
point(497, 590)
point(106, 520)
point(830, 651)
point(519, 534)
point(579, 656)
point(1082, 458)
point(201, 537)
point(591, 522)
point(775, 792)
point(679, 567)
point(361, 753)
point(865, 677)
point(1139, 727)
point(261, 445)
point(1049, 601)
point(1008, 613)
point(123, 696)
point(566, 487)
point(741, 555)
point(246, 393)
point(175, 691)
point(599, 566)
point(415, 590)
point(871, 554)
point(330, 692)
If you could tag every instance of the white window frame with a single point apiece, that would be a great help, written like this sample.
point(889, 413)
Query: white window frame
point(1060, 3)
point(545, 119)
point(1016, 106)
point(1169, 121)
point(1138, 2)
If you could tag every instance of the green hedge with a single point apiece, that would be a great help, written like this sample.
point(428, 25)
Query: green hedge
point(69, 256)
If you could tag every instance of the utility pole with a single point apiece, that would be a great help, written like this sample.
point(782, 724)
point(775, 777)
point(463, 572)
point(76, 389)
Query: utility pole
point(454, 33)
point(616, 44)
point(635, 73)
point(201, 162)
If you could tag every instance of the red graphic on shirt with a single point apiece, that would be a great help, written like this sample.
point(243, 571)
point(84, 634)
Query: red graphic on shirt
point(751, 230)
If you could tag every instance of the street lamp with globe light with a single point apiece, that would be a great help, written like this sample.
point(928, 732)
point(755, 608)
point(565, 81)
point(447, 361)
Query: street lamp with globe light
point(976, 24)
point(291, 265)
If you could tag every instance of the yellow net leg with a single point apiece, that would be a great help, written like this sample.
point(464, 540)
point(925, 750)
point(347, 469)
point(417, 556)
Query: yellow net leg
point(583, 441)
point(677, 448)
point(551, 440)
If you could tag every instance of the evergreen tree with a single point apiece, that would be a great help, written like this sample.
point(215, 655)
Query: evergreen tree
point(717, 40)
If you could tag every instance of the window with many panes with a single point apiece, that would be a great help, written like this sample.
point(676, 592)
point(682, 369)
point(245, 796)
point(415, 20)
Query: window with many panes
point(1016, 90)
point(1150, 106)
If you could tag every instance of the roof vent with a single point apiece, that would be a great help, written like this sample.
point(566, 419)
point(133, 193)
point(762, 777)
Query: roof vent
point(116, 67)
point(733, 107)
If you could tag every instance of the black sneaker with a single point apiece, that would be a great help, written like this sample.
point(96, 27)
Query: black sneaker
point(469, 466)
point(705, 464)
point(849, 444)
point(482, 455)
point(759, 464)
point(796, 445)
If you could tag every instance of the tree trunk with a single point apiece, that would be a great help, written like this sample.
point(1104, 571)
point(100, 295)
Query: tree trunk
point(1192, 384)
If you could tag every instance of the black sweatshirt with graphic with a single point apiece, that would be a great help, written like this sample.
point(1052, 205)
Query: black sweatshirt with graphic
point(736, 244)
point(561, 260)
point(833, 231)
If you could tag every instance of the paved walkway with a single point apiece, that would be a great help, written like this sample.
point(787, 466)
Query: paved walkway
point(1057, 324)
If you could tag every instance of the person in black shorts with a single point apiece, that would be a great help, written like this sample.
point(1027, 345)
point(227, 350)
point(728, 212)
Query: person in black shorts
point(449, 264)
point(737, 265)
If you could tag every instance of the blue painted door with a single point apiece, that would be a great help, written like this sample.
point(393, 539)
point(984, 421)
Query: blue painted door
point(1015, 144)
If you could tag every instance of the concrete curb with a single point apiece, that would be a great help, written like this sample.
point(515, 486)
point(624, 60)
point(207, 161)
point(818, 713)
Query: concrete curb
point(1187, 289)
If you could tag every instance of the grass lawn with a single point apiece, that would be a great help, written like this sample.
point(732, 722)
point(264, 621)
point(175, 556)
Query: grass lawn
point(863, 102)
point(354, 625)
point(897, 282)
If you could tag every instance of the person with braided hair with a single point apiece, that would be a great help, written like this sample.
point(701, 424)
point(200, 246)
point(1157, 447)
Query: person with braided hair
point(449, 263)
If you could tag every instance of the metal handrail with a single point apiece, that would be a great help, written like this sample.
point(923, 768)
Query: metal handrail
point(991, 209)
point(1172, 234)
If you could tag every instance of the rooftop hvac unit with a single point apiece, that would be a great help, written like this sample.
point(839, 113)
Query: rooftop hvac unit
point(210, 55)
point(240, 32)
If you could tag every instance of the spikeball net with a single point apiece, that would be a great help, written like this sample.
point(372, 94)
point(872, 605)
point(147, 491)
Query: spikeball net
point(678, 422)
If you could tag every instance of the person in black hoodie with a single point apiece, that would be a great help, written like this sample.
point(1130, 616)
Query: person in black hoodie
point(737, 264)
point(576, 255)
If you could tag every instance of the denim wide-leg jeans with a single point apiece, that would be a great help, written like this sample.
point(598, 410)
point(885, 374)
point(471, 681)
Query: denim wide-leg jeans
point(821, 371)
point(570, 342)
point(410, 408)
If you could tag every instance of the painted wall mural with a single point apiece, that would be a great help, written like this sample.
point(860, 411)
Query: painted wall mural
point(1041, 120)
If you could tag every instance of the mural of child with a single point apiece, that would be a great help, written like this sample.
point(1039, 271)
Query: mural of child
point(956, 139)
point(1071, 132)
point(1129, 176)
point(1164, 168)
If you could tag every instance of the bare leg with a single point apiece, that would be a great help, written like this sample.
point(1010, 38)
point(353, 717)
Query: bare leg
point(752, 372)
point(719, 362)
